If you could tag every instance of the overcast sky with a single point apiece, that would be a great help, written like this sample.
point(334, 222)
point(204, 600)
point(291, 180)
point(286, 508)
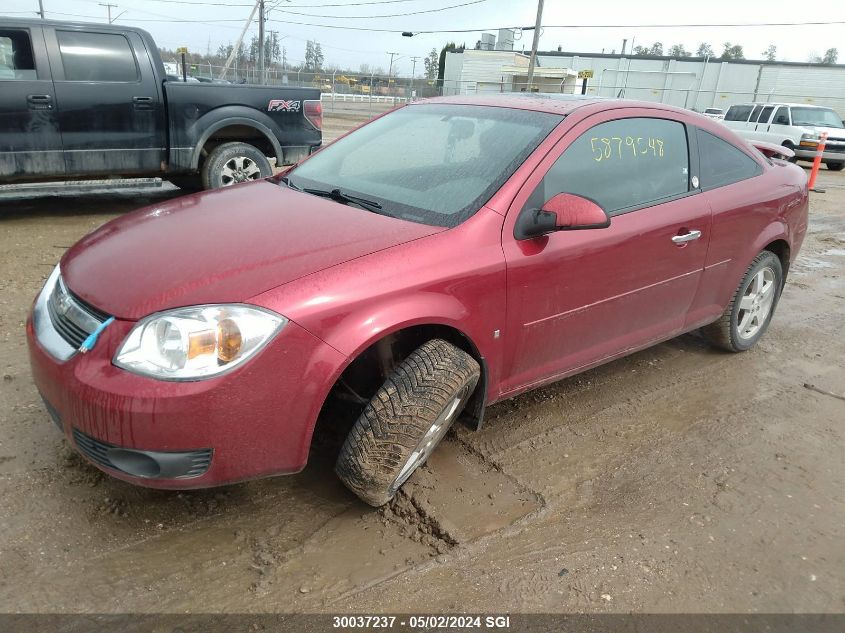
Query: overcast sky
point(345, 48)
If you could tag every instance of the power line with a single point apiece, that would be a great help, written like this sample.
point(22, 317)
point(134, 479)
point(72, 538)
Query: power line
point(384, 15)
point(292, 6)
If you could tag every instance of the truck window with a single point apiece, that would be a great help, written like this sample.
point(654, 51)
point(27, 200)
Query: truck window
point(738, 113)
point(16, 59)
point(781, 116)
point(764, 116)
point(756, 113)
point(97, 57)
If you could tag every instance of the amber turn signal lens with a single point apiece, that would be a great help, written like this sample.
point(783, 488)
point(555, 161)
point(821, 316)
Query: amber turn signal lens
point(200, 343)
point(229, 340)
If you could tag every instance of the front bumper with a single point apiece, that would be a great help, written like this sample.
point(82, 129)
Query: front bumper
point(835, 155)
point(252, 422)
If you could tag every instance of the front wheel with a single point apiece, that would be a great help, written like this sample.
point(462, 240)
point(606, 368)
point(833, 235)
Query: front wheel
point(232, 163)
point(750, 311)
point(404, 422)
point(835, 166)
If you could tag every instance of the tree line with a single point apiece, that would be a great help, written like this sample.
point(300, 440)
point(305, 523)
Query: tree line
point(729, 51)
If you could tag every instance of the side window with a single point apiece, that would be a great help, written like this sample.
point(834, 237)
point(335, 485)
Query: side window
point(621, 165)
point(781, 116)
point(755, 113)
point(764, 116)
point(96, 57)
point(722, 163)
point(16, 59)
point(738, 113)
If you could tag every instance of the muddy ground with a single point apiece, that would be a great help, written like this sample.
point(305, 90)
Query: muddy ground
point(678, 479)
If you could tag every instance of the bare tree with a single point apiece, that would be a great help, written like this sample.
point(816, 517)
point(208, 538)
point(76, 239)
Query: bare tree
point(769, 53)
point(705, 50)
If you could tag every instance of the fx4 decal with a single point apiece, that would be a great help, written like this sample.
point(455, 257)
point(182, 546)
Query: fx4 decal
point(280, 105)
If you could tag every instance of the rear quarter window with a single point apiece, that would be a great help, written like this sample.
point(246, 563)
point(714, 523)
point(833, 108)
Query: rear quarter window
point(721, 163)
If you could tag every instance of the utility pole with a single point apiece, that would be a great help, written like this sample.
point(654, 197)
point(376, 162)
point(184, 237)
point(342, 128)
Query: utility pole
point(390, 68)
point(240, 41)
point(261, 40)
point(534, 45)
point(413, 72)
point(41, 9)
point(108, 6)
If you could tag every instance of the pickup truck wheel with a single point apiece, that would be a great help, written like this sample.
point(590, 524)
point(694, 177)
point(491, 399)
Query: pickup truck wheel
point(835, 166)
point(406, 419)
point(750, 311)
point(232, 163)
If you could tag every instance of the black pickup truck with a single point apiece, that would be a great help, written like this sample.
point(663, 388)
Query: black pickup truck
point(93, 101)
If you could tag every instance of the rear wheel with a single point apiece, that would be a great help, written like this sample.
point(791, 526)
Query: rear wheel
point(750, 311)
point(835, 166)
point(232, 163)
point(406, 419)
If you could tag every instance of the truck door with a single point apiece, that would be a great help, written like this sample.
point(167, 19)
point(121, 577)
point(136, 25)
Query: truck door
point(30, 143)
point(110, 114)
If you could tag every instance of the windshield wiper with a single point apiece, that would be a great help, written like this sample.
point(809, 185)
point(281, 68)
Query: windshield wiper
point(338, 196)
point(286, 181)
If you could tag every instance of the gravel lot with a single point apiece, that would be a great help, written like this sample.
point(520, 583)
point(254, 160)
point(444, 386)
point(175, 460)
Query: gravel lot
point(677, 479)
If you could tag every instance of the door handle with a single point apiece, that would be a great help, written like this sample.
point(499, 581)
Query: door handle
point(39, 102)
point(143, 103)
point(686, 237)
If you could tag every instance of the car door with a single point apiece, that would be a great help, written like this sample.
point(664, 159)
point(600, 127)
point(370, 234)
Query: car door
point(110, 113)
point(30, 142)
point(576, 298)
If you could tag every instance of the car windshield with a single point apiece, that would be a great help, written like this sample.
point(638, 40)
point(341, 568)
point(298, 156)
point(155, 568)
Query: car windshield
point(429, 163)
point(822, 117)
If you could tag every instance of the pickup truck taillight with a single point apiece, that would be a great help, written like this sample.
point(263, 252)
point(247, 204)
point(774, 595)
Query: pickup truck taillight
point(313, 109)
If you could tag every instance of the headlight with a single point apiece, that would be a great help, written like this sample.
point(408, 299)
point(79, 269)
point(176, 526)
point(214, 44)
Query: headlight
point(196, 343)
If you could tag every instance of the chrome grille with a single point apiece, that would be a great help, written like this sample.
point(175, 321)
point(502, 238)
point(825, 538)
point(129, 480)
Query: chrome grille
point(72, 318)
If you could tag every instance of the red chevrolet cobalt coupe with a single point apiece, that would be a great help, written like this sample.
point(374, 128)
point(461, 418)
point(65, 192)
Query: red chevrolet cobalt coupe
point(445, 256)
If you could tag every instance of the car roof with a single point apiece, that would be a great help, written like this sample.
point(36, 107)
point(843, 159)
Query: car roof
point(65, 24)
point(554, 103)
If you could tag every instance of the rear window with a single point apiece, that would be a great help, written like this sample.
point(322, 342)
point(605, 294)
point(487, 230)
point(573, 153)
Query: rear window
point(16, 60)
point(97, 57)
point(722, 163)
point(738, 113)
point(434, 164)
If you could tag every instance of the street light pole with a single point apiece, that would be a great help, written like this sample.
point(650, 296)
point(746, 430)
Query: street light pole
point(535, 43)
point(41, 9)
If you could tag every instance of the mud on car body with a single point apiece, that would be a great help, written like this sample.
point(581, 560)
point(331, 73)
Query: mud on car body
point(445, 256)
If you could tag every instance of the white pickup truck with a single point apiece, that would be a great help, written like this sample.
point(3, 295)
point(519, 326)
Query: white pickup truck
point(793, 125)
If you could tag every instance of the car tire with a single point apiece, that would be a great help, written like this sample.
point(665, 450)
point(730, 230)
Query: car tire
point(790, 146)
point(406, 419)
point(233, 163)
point(835, 166)
point(188, 183)
point(752, 306)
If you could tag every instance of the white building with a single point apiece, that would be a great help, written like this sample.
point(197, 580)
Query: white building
point(692, 82)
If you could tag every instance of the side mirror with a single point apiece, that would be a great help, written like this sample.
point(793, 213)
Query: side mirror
point(562, 212)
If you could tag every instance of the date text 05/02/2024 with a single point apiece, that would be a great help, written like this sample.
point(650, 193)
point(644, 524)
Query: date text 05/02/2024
point(421, 621)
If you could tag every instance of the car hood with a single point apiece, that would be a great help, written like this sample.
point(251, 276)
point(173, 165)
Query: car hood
point(222, 246)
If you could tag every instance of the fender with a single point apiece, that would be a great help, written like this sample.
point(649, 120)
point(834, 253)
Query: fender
point(187, 141)
point(266, 131)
